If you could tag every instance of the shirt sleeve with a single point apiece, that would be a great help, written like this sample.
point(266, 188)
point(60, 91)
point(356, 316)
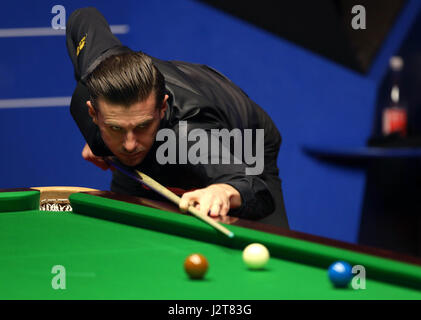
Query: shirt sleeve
point(89, 41)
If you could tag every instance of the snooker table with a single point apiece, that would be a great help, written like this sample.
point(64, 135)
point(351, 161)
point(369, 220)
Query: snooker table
point(121, 247)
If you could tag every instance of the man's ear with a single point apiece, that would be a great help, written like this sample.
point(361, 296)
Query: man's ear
point(92, 111)
point(163, 107)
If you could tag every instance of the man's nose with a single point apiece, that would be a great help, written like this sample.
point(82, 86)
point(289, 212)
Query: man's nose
point(130, 143)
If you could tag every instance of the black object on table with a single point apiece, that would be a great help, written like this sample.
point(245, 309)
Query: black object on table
point(391, 212)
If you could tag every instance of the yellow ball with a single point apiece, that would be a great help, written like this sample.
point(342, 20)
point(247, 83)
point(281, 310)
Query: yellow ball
point(255, 256)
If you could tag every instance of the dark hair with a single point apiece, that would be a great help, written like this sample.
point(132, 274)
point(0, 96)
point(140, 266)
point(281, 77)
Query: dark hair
point(125, 79)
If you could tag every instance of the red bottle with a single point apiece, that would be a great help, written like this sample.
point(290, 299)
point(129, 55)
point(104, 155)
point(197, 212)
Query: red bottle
point(394, 117)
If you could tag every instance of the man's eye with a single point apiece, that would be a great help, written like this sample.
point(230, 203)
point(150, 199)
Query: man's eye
point(115, 128)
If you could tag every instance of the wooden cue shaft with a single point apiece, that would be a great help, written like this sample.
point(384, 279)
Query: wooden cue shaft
point(176, 199)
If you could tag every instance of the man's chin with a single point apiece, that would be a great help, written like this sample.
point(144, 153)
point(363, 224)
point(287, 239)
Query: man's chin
point(131, 162)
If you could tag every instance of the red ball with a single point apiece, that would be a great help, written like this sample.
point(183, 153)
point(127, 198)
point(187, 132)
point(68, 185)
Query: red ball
point(196, 265)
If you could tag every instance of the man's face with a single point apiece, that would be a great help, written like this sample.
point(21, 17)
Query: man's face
point(129, 132)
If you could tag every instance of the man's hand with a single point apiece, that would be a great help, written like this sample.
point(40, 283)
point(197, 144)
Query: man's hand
point(217, 200)
point(88, 155)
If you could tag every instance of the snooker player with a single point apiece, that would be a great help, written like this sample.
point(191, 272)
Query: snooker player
point(124, 99)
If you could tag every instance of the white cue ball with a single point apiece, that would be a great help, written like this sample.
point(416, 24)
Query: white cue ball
point(255, 256)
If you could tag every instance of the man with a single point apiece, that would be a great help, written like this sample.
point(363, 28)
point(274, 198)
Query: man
point(165, 118)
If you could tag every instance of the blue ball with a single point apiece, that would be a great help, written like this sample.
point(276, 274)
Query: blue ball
point(340, 274)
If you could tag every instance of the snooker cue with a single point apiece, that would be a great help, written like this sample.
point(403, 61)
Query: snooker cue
point(154, 185)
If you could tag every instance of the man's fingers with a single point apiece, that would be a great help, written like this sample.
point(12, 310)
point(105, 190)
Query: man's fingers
point(205, 206)
point(215, 209)
point(101, 163)
point(183, 205)
point(188, 199)
point(224, 209)
point(213, 204)
point(87, 152)
point(88, 155)
point(197, 199)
